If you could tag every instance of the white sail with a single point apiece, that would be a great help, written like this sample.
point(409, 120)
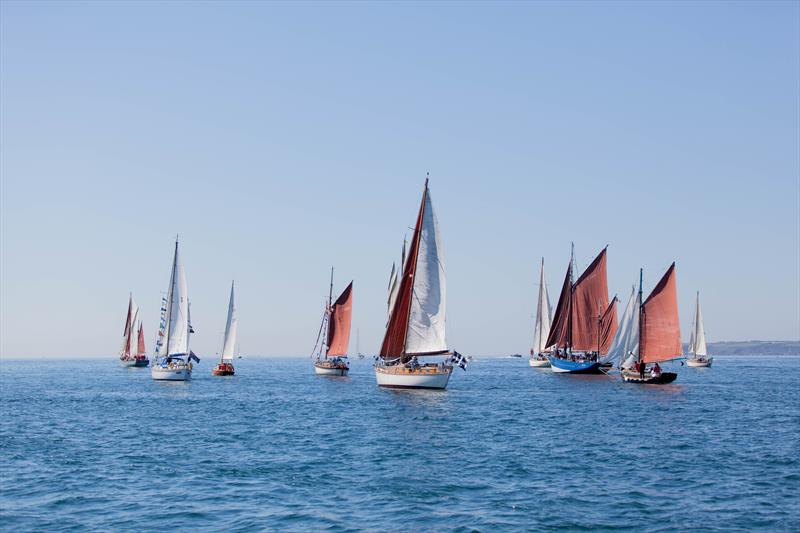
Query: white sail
point(541, 329)
point(393, 286)
point(426, 323)
point(626, 341)
point(177, 309)
point(231, 329)
point(134, 332)
point(697, 342)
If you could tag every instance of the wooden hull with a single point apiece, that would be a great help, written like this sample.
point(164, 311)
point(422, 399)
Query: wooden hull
point(406, 378)
point(223, 370)
point(700, 363)
point(539, 363)
point(566, 366)
point(661, 379)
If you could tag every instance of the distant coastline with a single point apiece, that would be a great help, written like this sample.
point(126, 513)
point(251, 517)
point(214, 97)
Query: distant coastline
point(754, 348)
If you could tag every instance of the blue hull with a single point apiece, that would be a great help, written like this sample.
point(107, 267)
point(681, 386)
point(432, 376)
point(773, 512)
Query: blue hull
point(574, 367)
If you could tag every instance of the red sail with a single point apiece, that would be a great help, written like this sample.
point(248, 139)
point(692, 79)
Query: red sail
point(559, 330)
point(140, 350)
point(339, 323)
point(660, 327)
point(394, 341)
point(608, 326)
point(589, 304)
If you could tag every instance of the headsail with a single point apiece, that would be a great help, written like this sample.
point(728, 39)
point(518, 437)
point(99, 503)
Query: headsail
point(339, 323)
point(559, 330)
point(231, 330)
point(393, 285)
point(417, 322)
point(697, 343)
point(541, 329)
point(660, 326)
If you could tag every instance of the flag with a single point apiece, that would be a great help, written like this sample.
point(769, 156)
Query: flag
point(193, 356)
point(459, 360)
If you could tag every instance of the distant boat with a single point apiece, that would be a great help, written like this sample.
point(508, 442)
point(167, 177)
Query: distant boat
point(416, 325)
point(333, 338)
point(698, 351)
point(584, 322)
point(659, 334)
point(133, 353)
point(173, 362)
point(541, 328)
point(225, 365)
point(516, 355)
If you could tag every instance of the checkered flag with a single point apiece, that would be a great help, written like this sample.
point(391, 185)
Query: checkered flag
point(459, 360)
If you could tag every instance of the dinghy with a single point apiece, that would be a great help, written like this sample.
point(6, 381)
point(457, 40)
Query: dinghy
point(416, 326)
point(659, 334)
point(698, 352)
point(174, 359)
point(130, 355)
point(584, 322)
point(225, 365)
point(333, 338)
point(541, 329)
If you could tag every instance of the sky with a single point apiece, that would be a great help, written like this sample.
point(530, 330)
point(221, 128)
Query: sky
point(280, 139)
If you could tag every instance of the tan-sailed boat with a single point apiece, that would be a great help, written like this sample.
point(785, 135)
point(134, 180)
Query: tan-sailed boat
point(333, 338)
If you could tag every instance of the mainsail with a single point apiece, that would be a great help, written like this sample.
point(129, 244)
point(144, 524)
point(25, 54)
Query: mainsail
point(697, 342)
point(177, 329)
point(417, 322)
point(626, 341)
point(339, 323)
point(231, 329)
point(541, 329)
point(140, 349)
point(584, 320)
point(660, 327)
point(129, 334)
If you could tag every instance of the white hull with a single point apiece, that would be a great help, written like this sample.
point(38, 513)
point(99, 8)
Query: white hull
point(330, 371)
point(413, 381)
point(126, 363)
point(696, 363)
point(539, 363)
point(170, 374)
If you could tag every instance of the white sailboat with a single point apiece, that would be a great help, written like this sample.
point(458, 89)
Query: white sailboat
point(174, 359)
point(541, 329)
point(225, 365)
point(698, 352)
point(416, 327)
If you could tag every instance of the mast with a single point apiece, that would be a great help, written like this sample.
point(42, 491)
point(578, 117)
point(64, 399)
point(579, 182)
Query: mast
point(639, 346)
point(328, 315)
point(571, 293)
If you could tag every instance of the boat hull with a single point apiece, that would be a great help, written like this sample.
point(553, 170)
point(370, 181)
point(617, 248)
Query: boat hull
point(700, 363)
point(539, 363)
point(330, 371)
point(223, 370)
point(134, 363)
point(404, 378)
point(159, 373)
point(564, 366)
point(661, 379)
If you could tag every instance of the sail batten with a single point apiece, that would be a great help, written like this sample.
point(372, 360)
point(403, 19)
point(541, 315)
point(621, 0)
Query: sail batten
point(339, 323)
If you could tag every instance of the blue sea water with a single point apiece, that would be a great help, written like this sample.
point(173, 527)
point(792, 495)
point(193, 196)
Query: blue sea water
point(87, 445)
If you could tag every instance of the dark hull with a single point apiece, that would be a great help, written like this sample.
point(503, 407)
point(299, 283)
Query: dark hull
point(141, 363)
point(664, 378)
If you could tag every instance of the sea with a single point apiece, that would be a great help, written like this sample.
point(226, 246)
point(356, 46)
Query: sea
point(87, 445)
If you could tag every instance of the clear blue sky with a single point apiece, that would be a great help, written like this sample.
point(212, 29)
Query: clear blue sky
point(278, 139)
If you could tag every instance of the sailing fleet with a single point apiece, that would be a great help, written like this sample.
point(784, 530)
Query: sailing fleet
point(581, 336)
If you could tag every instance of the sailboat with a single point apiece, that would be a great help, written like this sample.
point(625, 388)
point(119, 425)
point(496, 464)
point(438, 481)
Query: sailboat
point(225, 365)
point(698, 351)
point(133, 353)
point(173, 362)
point(416, 326)
point(334, 336)
point(659, 333)
point(541, 329)
point(584, 322)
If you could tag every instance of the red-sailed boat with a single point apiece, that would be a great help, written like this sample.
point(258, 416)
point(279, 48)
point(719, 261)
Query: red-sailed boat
point(333, 338)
